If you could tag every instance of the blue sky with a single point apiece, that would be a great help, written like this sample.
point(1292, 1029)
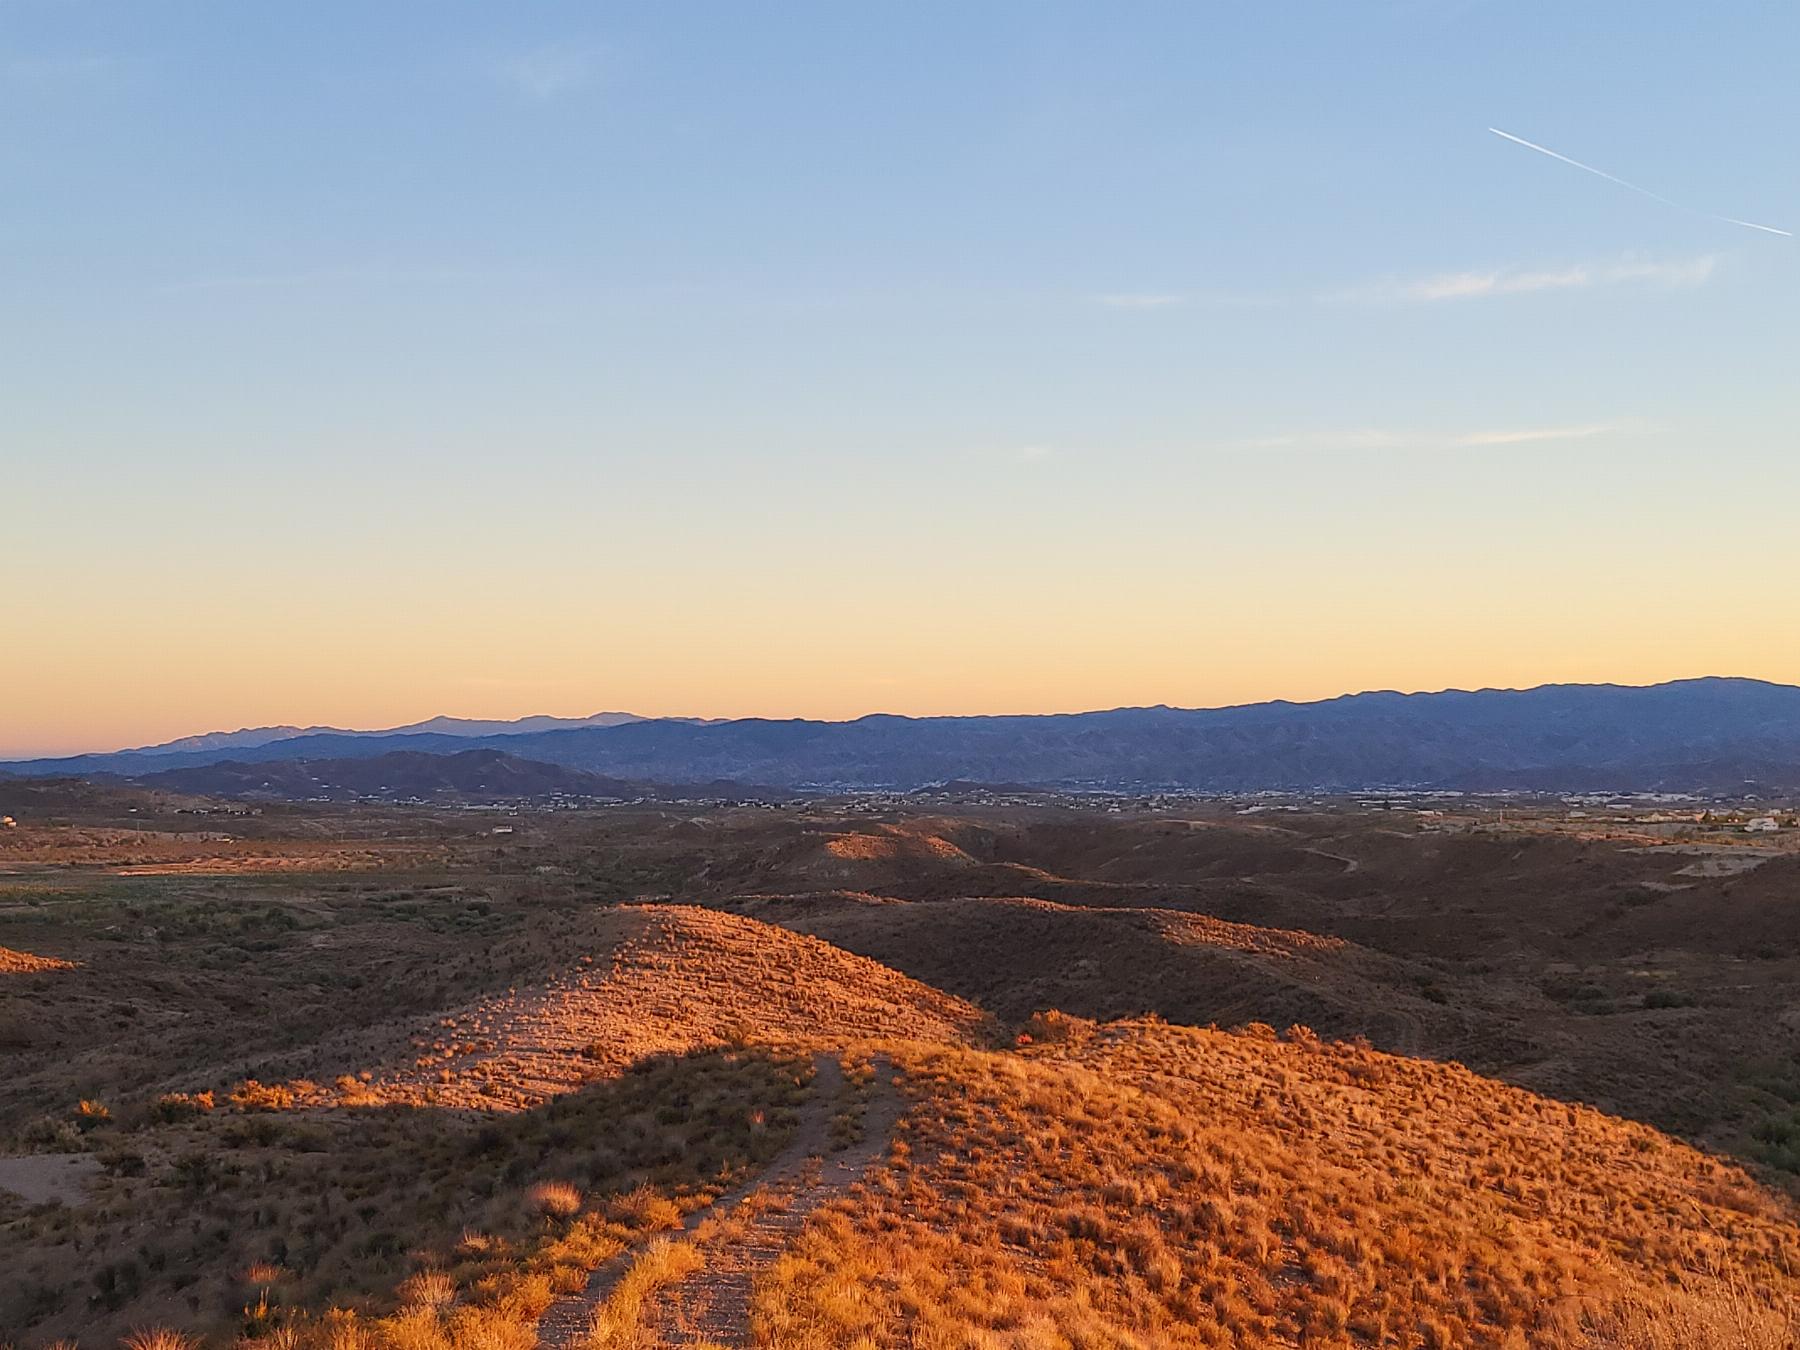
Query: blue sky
point(371, 361)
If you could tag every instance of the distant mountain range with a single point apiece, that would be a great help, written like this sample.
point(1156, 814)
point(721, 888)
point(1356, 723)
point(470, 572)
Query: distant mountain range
point(251, 738)
point(399, 775)
point(1690, 735)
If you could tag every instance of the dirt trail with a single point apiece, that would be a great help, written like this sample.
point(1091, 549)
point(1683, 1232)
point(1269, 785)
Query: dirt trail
point(1351, 865)
point(740, 1239)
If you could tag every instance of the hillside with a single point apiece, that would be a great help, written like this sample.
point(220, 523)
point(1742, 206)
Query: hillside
point(1692, 735)
point(398, 775)
point(622, 1143)
point(1016, 956)
point(1141, 1184)
point(649, 1075)
point(653, 1052)
point(625, 985)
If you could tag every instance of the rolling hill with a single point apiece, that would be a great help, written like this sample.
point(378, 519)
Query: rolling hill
point(619, 1142)
point(1139, 1184)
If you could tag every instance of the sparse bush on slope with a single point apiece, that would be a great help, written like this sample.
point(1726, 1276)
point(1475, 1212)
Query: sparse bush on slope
point(428, 1229)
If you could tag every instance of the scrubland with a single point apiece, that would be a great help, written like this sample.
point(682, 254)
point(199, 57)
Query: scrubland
point(236, 1216)
point(1141, 1184)
point(411, 1107)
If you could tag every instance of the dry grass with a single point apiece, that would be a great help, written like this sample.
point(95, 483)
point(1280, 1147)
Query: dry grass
point(1144, 1185)
point(621, 1322)
point(1013, 955)
point(646, 980)
point(555, 1199)
point(1726, 1316)
point(427, 1289)
point(424, 1224)
point(24, 963)
point(158, 1338)
point(913, 841)
point(286, 1065)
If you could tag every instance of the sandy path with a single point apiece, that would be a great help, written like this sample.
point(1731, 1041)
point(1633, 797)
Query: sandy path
point(713, 1304)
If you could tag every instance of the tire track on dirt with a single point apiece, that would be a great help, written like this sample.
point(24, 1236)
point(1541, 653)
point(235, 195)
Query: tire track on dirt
point(747, 1228)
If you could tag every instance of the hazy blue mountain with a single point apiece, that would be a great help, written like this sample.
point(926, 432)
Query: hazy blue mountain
point(1711, 734)
point(401, 775)
point(252, 738)
point(247, 739)
point(470, 726)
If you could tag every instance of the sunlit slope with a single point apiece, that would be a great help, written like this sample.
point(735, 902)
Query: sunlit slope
point(1148, 1185)
point(622, 985)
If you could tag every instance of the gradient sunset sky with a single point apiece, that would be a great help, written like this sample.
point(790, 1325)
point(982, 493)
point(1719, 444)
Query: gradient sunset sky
point(363, 362)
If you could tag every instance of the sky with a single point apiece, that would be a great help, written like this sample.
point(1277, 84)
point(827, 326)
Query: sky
point(365, 362)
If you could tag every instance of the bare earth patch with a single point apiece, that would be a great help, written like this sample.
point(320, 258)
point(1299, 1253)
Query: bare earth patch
point(43, 1178)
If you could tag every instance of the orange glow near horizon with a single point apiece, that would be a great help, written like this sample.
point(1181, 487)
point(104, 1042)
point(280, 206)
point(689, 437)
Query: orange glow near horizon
point(145, 690)
point(383, 632)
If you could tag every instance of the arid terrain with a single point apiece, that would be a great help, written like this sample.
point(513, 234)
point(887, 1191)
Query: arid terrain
point(865, 1072)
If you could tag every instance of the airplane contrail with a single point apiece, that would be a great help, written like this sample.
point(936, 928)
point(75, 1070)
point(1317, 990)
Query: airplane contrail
point(1653, 196)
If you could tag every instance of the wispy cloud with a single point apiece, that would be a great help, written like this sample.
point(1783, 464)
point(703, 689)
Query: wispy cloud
point(1138, 300)
point(1029, 454)
point(1381, 438)
point(1526, 435)
point(1484, 283)
point(550, 72)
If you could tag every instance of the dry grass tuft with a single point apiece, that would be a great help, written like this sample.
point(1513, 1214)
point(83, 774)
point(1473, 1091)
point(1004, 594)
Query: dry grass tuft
point(159, 1338)
point(427, 1289)
point(643, 1208)
point(555, 1199)
point(262, 1273)
point(620, 1323)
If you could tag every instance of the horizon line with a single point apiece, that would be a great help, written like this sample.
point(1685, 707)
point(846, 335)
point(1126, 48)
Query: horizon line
point(409, 729)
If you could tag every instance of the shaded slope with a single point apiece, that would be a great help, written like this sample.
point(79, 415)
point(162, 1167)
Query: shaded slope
point(1019, 956)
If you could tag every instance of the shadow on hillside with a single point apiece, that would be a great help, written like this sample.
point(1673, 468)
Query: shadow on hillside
point(340, 1205)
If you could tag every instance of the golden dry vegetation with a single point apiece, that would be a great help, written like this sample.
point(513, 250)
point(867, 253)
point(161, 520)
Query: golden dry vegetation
point(232, 1219)
point(1146, 1185)
point(24, 963)
point(652, 979)
point(412, 1105)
